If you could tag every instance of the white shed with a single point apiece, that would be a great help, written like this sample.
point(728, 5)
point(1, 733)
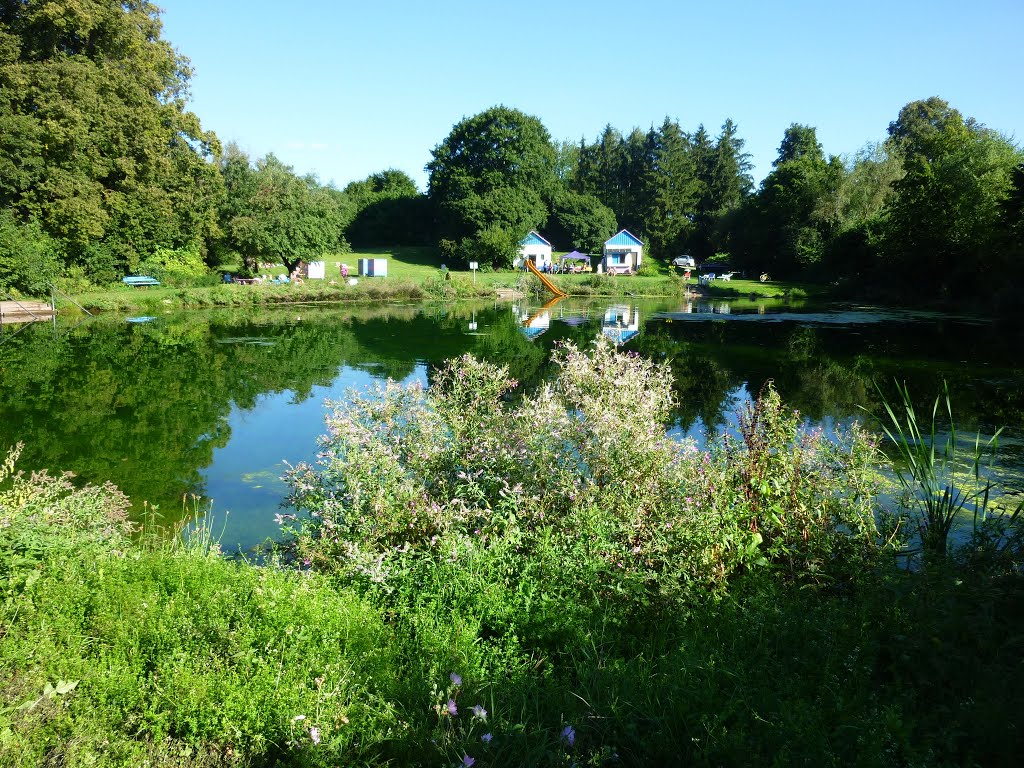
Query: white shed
point(314, 270)
point(536, 249)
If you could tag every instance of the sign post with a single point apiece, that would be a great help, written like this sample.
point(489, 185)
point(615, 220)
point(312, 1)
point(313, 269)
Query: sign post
point(474, 266)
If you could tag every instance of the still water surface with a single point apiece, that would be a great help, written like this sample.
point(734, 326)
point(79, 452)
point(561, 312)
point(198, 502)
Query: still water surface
point(214, 404)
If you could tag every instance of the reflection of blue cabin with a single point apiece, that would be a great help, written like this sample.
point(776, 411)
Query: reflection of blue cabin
point(536, 249)
point(622, 253)
point(621, 323)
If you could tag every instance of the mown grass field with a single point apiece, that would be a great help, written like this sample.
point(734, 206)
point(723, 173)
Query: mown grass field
point(414, 273)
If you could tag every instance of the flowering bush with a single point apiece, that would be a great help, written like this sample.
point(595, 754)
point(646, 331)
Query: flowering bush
point(577, 488)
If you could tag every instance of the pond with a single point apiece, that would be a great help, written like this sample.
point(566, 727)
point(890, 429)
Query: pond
point(202, 410)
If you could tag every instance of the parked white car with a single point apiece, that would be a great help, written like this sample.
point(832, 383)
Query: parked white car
point(683, 261)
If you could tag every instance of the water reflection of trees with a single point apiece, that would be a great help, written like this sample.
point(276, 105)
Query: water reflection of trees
point(147, 405)
point(831, 371)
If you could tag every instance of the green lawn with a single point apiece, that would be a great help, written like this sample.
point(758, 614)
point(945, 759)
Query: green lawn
point(420, 263)
point(413, 273)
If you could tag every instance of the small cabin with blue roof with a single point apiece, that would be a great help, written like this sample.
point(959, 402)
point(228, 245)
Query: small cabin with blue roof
point(536, 249)
point(623, 253)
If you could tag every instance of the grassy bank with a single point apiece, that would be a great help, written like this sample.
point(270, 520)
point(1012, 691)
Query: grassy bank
point(466, 579)
point(414, 273)
point(170, 658)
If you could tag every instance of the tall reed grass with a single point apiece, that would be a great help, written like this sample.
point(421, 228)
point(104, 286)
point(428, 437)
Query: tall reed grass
point(945, 479)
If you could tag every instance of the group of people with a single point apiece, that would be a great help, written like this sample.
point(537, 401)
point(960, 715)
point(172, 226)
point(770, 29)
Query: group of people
point(555, 269)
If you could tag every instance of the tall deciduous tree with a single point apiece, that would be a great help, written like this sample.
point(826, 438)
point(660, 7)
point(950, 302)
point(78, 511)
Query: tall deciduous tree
point(495, 171)
point(95, 141)
point(388, 210)
point(272, 214)
point(580, 222)
point(1013, 216)
point(788, 225)
point(946, 211)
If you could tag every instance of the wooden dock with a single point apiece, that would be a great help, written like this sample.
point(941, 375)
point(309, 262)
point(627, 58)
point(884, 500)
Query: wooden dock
point(24, 311)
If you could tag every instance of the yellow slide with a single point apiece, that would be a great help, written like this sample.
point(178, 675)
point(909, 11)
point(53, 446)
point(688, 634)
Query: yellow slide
point(543, 278)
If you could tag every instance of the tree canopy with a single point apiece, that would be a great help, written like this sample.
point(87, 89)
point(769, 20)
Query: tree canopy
point(388, 210)
point(271, 214)
point(96, 145)
point(494, 172)
point(944, 218)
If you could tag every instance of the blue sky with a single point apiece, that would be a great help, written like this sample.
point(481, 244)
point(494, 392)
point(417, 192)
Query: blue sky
point(347, 88)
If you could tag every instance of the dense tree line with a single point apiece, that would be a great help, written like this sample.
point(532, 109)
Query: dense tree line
point(939, 204)
point(104, 171)
point(99, 159)
point(933, 206)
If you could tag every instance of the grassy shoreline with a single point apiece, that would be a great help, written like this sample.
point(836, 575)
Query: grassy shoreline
point(414, 274)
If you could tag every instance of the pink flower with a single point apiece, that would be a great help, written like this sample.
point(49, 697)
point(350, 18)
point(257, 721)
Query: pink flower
point(468, 761)
point(451, 708)
point(314, 734)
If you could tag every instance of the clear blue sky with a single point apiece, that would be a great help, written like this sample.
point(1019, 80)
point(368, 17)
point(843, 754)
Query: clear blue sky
point(346, 88)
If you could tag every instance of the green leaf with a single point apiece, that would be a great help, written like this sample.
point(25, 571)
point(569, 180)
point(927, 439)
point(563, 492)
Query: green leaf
point(66, 686)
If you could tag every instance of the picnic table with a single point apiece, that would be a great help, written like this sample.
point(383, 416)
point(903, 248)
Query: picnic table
point(139, 281)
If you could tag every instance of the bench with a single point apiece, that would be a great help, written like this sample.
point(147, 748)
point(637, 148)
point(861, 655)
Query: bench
point(139, 281)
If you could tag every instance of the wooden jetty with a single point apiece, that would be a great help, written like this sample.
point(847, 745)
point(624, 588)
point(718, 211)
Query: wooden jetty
point(25, 311)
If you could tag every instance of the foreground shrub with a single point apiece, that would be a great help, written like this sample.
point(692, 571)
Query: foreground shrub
point(810, 500)
point(577, 493)
point(510, 624)
point(40, 512)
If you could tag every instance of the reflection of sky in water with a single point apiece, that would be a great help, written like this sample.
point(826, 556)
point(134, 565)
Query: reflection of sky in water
point(735, 403)
point(247, 471)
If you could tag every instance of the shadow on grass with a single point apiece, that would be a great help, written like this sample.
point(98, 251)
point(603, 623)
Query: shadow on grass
point(907, 670)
